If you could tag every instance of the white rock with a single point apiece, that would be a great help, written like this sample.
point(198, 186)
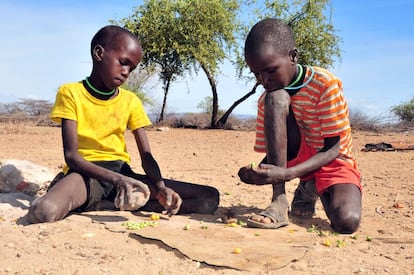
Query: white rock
point(163, 129)
point(23, 175)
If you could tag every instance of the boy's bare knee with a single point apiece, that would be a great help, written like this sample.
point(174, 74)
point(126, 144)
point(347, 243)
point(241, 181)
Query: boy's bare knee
point(279, 99)
point(346, 222)
point(42, 210)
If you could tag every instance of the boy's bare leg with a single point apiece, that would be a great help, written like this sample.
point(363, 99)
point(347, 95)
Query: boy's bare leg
point(342, 203)
point(304, 200)
point(66, 195)
point(196, 198)
point(275, 127)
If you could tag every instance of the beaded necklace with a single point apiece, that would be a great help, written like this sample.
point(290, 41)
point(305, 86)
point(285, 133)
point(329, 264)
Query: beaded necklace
point(98, 91)
point(300, 74)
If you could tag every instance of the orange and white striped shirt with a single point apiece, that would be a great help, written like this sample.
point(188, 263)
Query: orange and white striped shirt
point(321, 111)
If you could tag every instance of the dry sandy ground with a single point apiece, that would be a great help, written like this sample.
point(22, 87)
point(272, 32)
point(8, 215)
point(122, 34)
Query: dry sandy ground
point(384, 244)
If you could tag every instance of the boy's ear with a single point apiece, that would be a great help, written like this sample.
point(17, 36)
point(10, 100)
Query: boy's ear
point(294, 55)
point(98, 51)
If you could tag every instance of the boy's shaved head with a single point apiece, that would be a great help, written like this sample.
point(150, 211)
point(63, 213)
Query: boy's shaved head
point(108, 36)
point(270, 31)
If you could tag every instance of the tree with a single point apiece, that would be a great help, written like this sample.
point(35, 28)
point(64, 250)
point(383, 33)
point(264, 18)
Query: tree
point(314, 33)
point(211, 27)
point(156, 23)
point(404, 111)
point(184, 36)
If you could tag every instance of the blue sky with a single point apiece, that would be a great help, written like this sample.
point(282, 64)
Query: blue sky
point(46, 43)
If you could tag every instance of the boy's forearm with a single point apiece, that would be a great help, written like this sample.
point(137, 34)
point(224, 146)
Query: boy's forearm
point(310, 165)
point(327, 154)
point(152, 170)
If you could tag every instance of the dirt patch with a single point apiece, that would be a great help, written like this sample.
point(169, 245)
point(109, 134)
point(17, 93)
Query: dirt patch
point(383, 244)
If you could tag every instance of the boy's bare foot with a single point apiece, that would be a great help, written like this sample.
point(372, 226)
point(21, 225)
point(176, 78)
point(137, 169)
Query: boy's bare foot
point(272, 217)
point(303, 203)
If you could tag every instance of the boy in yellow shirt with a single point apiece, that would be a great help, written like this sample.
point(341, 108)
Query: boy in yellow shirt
point(94, 114)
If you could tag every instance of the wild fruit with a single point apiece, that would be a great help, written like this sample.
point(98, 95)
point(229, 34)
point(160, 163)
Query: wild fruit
point(155, 217)
point(237, 250)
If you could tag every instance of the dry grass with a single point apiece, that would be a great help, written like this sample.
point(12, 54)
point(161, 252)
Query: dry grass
point(202, 121)
point(28, 128)
point(24, 124)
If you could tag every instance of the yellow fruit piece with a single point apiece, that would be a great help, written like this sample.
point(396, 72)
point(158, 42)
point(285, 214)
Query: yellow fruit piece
point(155, 217)
point(253, 165)
point(237, 250)
point(327, 242)
point(186, 227)
point(232, 224)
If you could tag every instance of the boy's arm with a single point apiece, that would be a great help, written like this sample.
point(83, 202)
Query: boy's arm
point(167, 197)
point(149, 164)
point(267, 173)
point(327, 154)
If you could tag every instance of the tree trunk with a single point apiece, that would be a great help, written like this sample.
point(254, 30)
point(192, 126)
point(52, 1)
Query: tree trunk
point(164, 102)
point(213, 86)
point(222, 121)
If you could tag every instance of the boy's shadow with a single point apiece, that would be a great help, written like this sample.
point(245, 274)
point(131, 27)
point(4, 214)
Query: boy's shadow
point(19, 201)
point(242, 213)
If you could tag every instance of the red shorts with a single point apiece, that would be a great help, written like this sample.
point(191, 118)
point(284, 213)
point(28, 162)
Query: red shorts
point(336, 172)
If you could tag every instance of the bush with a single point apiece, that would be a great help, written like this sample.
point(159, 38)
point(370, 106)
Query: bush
point(405, 111)
point(202, 121)
point(362, 122)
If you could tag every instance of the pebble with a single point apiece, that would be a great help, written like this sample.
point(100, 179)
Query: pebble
point(10, 245)
point(44, 233)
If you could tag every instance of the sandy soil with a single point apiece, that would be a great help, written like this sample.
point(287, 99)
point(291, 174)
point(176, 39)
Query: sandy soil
point(384, 244)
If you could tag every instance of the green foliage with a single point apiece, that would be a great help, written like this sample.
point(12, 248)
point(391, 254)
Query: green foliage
point(208, 29)
point(314, 32)
point(311, 23)
point(157, 26)
point(404, 111)
point(180, 36)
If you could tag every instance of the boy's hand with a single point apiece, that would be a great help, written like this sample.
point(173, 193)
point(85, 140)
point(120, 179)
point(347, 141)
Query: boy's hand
point(170, 200)
point(261, 174)
point(131, 194)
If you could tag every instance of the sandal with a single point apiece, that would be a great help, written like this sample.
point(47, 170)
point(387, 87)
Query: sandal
point(304, 200)
point(276, 219)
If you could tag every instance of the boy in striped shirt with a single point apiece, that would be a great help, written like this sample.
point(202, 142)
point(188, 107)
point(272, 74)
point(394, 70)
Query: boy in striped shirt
point(303, 128)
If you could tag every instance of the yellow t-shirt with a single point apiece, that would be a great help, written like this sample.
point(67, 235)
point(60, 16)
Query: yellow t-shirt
point(101, 123)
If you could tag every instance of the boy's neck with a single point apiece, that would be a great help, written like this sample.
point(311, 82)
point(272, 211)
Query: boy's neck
point(297, 82)
point(103, 95)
